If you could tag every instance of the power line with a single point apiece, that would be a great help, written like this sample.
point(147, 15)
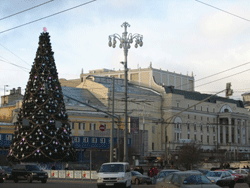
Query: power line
point(25, 10)
point(14, 54)
point(16, 65)
point(216, 74)
point(223, 78)
point(224, 11)
point(47, 16)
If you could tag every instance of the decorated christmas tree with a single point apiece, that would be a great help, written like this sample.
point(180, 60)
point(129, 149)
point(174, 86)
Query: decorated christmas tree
point(42, 130)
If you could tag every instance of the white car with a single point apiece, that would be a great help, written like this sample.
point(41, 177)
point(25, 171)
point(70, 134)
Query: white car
point(114, 174)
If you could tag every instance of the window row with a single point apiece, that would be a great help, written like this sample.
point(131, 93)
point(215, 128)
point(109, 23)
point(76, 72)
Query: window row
point(93, 140)
point(82, 126)
point(196, 107)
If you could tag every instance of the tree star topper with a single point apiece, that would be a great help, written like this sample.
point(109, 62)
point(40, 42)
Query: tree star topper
point(44, 29)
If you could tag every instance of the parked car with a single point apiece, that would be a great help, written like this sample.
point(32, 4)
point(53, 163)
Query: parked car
point(222, 178)
point(138, 178)
point(28, 172)
point(163, 173)
point(237, 176)
point(7, 172)
point(114, 174)
point(2, 178)
point(203, 171)
point(186, 179)
point(243, 173)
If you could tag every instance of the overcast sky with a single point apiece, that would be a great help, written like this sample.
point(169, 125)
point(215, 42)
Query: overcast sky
point(181, 36)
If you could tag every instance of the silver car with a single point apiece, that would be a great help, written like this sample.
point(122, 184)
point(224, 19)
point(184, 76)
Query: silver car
point(186, 179)
point(163, 173)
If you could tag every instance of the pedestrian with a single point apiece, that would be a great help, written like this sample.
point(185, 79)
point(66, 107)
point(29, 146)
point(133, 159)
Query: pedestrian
point(141, 170)
point(151, 172)
point(247, 167)
point(67, 166)
point(155, 170)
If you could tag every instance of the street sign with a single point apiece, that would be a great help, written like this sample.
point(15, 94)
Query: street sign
point(102, 127)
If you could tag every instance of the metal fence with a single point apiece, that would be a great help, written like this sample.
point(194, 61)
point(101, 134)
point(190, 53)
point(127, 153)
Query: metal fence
point(72, 174)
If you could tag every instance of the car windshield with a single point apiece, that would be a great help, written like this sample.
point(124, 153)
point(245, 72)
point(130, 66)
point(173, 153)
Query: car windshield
point(196, 179)
point(136, 173)
point(163, 174)
point(112, 168)
point(32, 168)
point(214, 174)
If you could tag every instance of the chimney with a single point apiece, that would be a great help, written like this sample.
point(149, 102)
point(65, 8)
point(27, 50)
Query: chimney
point(19, 90)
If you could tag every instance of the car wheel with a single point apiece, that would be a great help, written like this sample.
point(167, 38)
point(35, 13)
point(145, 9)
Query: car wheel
point(29, 179)
point(15, 179)
point(137, 182)
point(44, 180)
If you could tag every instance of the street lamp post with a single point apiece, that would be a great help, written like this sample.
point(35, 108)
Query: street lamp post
point(125, 41)
point(4, 94)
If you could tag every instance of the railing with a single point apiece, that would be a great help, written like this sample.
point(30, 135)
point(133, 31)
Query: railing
point(72, 174)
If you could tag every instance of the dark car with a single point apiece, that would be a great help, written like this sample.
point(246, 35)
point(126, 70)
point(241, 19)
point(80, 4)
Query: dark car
point(29, 172)
point(2, 177)
point(7, 172)
point(222, 178)
point(186, 179)
point(138, 178)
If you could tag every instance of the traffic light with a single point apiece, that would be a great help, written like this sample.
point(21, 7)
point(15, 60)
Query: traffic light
point(229, 91)
point(115, 153)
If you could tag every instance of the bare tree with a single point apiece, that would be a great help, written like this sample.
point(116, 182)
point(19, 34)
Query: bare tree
point(189, 155)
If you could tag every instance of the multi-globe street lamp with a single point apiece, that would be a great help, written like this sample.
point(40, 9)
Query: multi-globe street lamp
point(125, 41)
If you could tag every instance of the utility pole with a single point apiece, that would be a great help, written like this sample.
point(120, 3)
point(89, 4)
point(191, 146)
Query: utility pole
point(112, 126)
point(125, 41)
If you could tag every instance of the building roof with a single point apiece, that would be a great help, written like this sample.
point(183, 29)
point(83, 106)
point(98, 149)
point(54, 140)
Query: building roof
point(79, 94)
point(199, 96)
point(120, 86)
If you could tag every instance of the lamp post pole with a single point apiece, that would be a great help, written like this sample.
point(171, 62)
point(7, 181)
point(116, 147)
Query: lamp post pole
point(125, 41)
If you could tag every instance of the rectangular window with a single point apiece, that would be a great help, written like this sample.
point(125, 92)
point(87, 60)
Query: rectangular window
point(195, 137)
point(188, 136)
point(195, 127)
point(201, 108)
point(201, 138)
point(214, 129)
point(77, 139)
point(72, 125)
point(188, 116)
point(194, 117)
point(207, 139)
point(213, 110)
point(85, 140)
point(201, 117)
point(94, 140)
point(177, 104)
point(207, 109)
point(102, 140)
point(213, 120)
point(207, 118)
point(207, 128)
point(79, 126)
point(194, 107)
point(9, 137)
point(83, 126)
point(92, 126)
point(188, 126)
point(153, 129)
point(153, 146)
point(201, 128)
point(214, 138)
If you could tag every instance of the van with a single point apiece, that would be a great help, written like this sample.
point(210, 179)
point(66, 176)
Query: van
point(114, 174)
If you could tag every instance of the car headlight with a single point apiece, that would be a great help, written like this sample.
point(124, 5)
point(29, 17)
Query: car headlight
point(34, 174)
point(99, 178)
point(121, 178)
point(46, 174)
